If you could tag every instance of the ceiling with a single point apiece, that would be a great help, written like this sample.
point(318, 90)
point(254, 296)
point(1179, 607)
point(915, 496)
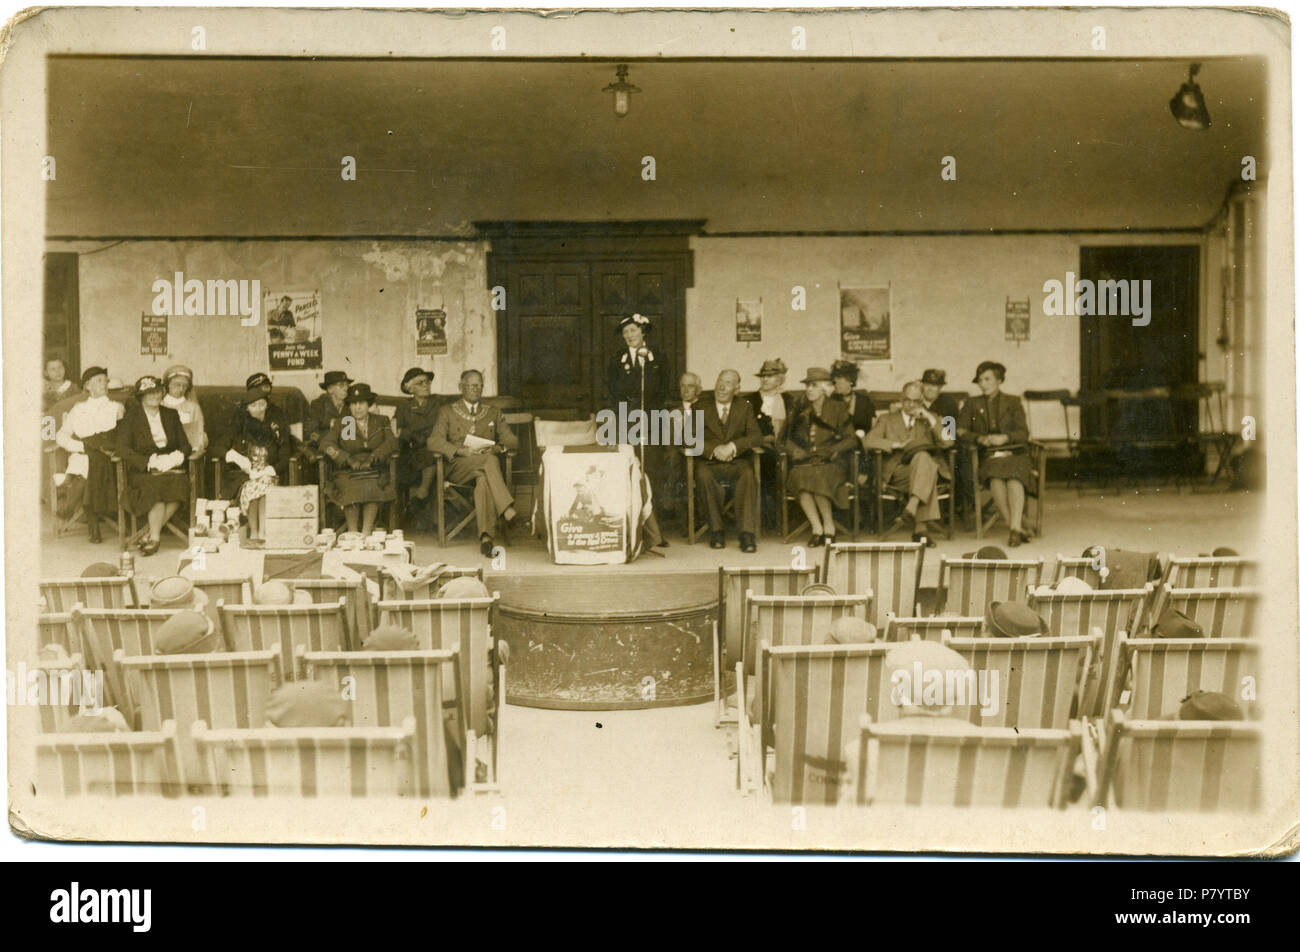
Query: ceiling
point(210, 146)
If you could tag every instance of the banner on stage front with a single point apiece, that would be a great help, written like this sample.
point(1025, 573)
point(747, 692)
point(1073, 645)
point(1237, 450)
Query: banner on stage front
point(866, 330)
point(593, 505)
point(293, 330)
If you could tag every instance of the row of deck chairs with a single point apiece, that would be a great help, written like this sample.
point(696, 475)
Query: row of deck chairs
point(189, 712)
point(1093, 684)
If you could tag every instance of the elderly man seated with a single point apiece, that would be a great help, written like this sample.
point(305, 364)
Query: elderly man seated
point(911, 437)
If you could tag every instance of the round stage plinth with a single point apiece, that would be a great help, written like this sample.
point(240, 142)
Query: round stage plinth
point(607, 639)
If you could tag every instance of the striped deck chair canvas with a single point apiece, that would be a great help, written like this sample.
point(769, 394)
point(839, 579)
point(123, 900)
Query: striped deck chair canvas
point(61, 594)
point(354, 592)
point(1163, 671)
point(1112, 611)
point(233, 590)
point(1080, 567)
point(968, 586)
point(1208, 572)
point(890, 571)
point(390, 591)
point(111, 765)
point(226, 690)
point(106, 631)
point(808, 704)
point(316, 762)
point(464, 626)
point(932, 627)
point(59, 691)
point(56, 628)
point(960, 765)
point(1221, 612)
point(1036, 678)
point(1176, 766)
point(795, 619)
point(284, 627)
point(390, 686)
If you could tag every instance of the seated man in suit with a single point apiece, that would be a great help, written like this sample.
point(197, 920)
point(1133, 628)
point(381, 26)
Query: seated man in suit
point(668, 475)
point(730, 432)
point(907, 436)
point(469, 417)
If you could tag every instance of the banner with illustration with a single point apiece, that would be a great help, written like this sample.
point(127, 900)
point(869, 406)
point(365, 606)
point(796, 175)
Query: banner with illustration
point(594, 503)
point(866, 331)
point(293, 329)
point(430, 331)
point(153, 334)
point(749, 320)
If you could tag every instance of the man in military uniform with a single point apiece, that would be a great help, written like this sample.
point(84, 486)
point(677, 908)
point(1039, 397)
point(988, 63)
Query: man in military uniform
point(468, 416)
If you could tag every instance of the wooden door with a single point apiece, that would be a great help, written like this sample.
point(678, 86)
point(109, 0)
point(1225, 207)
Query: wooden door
point(548, 318)
point(62, 321)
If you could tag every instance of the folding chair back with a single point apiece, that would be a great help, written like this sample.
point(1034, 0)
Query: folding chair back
point(890, 571)
point(1172, 766)
point(390, 591)
point(309, 762)
point(783, 620)
point(932, 627)
point(1208, 572)
point(61, 594)
point(809, 700)
point(63, 688)
point(106, 631)
point(353, 592)
point(56, 628)
point(1025, 682)
point(1080, 567)
point(465, 627)
point(233, 590)
point(959, 765)
point(1166, 670)
point(968, 586)
point(387, 687)
point(1221, 612)
point(284, 627)
point(112, 765)
point(734, 581)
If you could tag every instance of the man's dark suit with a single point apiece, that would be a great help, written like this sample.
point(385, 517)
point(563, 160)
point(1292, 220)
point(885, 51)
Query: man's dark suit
point(741, 428)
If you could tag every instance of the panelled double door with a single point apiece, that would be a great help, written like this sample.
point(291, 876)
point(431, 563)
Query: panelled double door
point(558, 336)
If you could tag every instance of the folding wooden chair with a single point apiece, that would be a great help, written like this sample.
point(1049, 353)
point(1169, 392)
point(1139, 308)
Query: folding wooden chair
point(1161, 672)
point(1182, 766)
point(1037, 491)
point(806, 705)
point(131, 526)
point(55, 628)
point(733, 581)
point(1221, 612)
point(106, 631)
point(461, 495)
point(99, 764)
point(794, 620)
point(1037, 678)
point(890, 571)
point(964, 766)
point(1112, 611)
point(354, 593)
point(386, 688)
point(334, 517)
point(693, 529)
point(1080, 567)
point(315, 762)
point(61, 594)
point(463, 626)
point(224, 689)
point(932, 627)
point(969, 586)
point(883, 493)
point(283, 627)
point(390, 591)
point(787, 497)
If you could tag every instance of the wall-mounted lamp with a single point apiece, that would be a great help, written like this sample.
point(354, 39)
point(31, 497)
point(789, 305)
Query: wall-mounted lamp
point(1188, 105)
point(622, 91)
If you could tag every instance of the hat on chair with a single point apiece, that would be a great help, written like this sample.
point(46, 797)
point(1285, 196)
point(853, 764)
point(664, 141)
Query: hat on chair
point(100, 570)
point(1072, 585)
point(1209, 706)
point(851, 630)
point(414, 374)
point(986, 552)
point(913, 660)
point(463, 587)
point(1174, 624)
point(1223, 552)
point(817, 588)
point(279, 593)
point(1014, 620)
point(177, 593)
point(391, 638)
point(306, 704)
point(186, 632)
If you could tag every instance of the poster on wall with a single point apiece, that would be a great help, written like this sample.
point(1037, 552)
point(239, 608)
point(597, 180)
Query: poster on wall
point(749, 320)
point(430, 331)
point(153, 334)
point(1017, 320)
point(293, 329)
point(865, 323)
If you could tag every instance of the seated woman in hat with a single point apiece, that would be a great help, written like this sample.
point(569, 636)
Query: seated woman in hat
point(415, 417)
point(325, 409)
point(817, 435)
point(995, 422)
point(360, 444)
point(862, 412)
point(255, 432)
point(178, 380)
point(89, 434)
point(155, 449)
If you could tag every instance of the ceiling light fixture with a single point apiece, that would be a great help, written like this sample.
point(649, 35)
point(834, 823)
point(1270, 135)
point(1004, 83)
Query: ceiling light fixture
point(622, 91)
point(1188, 105)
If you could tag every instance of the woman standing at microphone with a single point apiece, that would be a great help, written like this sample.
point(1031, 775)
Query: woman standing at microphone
point(637, 382)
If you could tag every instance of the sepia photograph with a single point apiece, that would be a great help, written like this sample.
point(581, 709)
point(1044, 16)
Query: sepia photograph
point(829, 431)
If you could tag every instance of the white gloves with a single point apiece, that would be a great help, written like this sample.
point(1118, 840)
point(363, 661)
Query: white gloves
point(78, 465)
point(165, 462)
point(239, 459)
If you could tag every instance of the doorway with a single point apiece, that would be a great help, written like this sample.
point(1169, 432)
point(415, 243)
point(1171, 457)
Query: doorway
point(62, 311)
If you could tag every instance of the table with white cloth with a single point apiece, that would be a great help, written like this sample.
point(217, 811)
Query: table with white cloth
point(231, 561)
point(594, 504)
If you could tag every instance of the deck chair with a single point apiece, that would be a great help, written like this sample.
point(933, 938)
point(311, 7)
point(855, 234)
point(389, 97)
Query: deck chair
point(696, 529)
point(463, 626)
point(1037, 678)
point(389, 686)
point(1221, 612)
point(1035, 492)
point(353, 592)
point(1209, 572)
point(64, 688)
point(969, 586)
point(1081, 567)
point(733, 581)
point(807, 702)
point(950, 766)
point(1176, 766)
point(321, 627)
point(390, 591)
point(110, 765)
point(224, 689)
point(233, 590)
point(55, 628)
point(932, 627)
point(61, 594)
point(308, 762)
point(1112, 611)
point(890, 571)
point(106, 631)
point(793, 620)
point(1160, 672)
